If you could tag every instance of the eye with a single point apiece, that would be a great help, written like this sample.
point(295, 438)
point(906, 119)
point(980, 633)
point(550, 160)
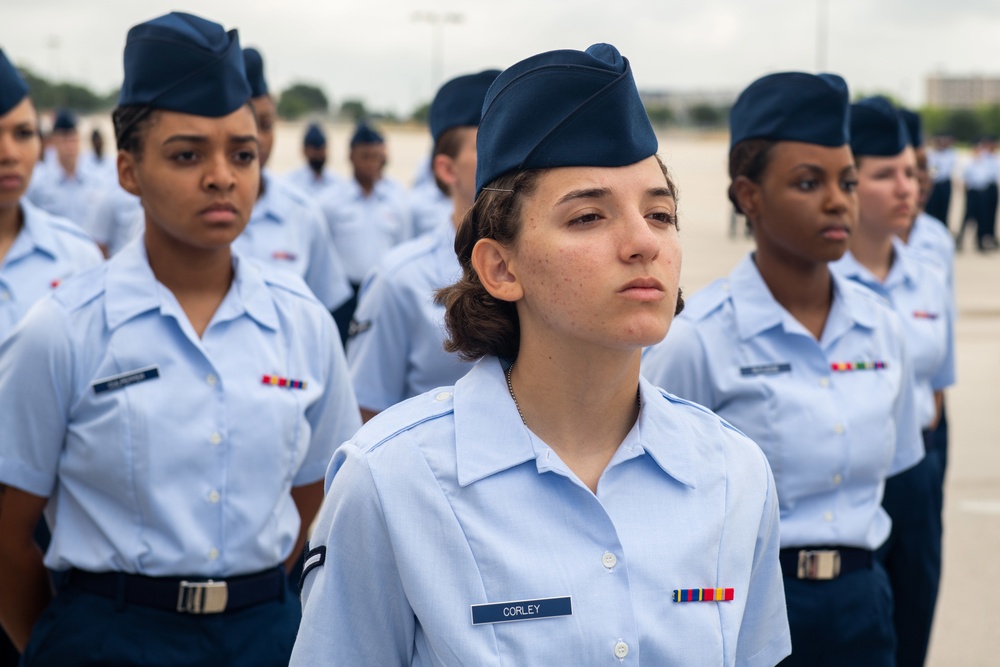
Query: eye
point(585, 219)
point(184, 157)
point(25, 133)
point(245, 157)
point(664, 217)
point(849, 184)
point(806, 185)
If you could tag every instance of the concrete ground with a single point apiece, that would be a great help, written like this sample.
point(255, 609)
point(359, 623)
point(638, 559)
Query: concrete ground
point(966, 631)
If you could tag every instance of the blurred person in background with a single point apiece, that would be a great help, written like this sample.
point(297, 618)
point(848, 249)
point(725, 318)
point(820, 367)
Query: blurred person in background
point(313, 178)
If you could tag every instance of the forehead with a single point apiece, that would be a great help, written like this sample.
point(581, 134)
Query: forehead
point(790, 154)
point(635, 178)
point(168, 123)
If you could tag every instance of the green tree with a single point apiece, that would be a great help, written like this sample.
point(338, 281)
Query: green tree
point(660, 115)
point(353, 109)
point(707, 115)
point(301, 99)
point(421, 113)
point(47, 94)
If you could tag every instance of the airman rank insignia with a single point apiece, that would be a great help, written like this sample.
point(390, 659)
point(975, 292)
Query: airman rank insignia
point(846, 366)
point(924, 315)
point(703, 595)
point(278, 381)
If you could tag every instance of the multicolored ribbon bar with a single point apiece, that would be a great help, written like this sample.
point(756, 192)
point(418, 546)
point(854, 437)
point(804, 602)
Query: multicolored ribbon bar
point(703, 595)
point(924, 315)
point(284, 254)
point(278, 381)
point(845, 366)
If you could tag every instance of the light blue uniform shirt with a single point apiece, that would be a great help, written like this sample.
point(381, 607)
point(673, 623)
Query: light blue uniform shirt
point(397, 351)
point(287, 231)
point(981, 171)
point(364, 228)
point(70, 197)
point(941, 163)
point(430, 207)
point(920, 296)
point(116, 218)
point(163, 453)
point(447, 501)
point(930, 239)
point(831, 437)
point(305, 180)
point(46, 252)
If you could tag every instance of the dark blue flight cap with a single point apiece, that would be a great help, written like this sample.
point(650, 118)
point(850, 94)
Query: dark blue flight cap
point(793, 106)
point(314, 136)
point(914, 126)
point(366, 135)
point(563, 109)
point(460, 102)
point(13, 89)
point(65, 121)
point(254, 64)
point(180, 62)
point(877, 129)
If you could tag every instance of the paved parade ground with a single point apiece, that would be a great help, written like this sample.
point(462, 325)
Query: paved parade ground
point(967, 625)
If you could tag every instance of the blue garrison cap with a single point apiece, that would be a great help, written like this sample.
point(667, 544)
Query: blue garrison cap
point(364, 134)
point(563, 109)
point(254, 64)
point(314, 136)
point(180, 62)
point(792, 106)
point(13, 89)
point(877, 129)
point(914, 126)
point(460, 102)
point(65, 120)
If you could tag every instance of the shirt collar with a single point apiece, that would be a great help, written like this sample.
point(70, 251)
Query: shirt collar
point(486, 444)
point(270, 204)
point(35, 234)
point(132, 289)
point(900, 273)
point(756, 310)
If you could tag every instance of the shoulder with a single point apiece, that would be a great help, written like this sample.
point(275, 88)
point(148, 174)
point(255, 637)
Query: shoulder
point(707, 302)
point(284, 285)
point(406, 255)
point(424, 413)
point(64, 232)
point(82, 289)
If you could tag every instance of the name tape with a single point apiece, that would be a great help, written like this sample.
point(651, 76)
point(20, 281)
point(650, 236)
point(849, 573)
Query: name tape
point(521, 610)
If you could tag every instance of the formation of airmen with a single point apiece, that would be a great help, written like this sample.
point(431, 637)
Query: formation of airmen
point(485, 393)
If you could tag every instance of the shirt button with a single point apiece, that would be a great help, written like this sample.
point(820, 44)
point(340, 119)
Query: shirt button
point(443, 396)
point(824, 382)
point(211, 379)
point(215, 438)
point(621, 650)
point(609, 560)
point(213, 497)
point(838, 428)
point(213, 554)
point(837, 479)
point(828, 516)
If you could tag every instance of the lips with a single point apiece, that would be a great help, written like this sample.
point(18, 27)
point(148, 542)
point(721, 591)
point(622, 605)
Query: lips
point(221, 212)
point(836, 232)
point(11, 181)
point(643, 289)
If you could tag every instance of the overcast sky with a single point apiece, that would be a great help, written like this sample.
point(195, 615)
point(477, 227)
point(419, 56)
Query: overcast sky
point(375, 50)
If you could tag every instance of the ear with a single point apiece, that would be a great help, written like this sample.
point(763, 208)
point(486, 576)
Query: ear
point(747, 194)
point(444, 169)
point(490, 260)
point(127, 173)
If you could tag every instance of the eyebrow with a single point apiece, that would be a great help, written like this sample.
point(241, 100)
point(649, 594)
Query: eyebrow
point(598, 193)
point(201, 139)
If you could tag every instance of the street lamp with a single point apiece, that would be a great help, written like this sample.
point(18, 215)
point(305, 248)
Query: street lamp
point(822, 27)
point(437, 21)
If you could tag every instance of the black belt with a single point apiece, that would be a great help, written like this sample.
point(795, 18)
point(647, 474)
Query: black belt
point(187, 595)
point(823, 562)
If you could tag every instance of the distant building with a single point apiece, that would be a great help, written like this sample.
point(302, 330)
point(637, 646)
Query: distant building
point(962, 92)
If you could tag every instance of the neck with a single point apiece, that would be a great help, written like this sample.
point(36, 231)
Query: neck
point(459, 207)
point(873, 250)
point(367, 184)
point(11, 222)
point(580, 403)
point(904, 236)
point(804, 289)
point(68, 166)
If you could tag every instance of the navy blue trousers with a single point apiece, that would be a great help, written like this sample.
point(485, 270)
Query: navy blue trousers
point(83, 629)
point(843, 621)
point(939, 201)
point(912, 554)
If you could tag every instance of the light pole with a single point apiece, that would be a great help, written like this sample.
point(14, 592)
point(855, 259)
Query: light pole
point(437, 21)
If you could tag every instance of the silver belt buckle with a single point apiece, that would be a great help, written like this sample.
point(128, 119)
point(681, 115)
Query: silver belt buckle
point(202, 597)
point(823, 564)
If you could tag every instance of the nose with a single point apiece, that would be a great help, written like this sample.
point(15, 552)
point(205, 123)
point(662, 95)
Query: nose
point(839, 199)
point(8, 152)
point(640, 243)
point(219, 174)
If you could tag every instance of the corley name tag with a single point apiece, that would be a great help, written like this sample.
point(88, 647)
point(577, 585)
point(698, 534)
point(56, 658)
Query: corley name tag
point(125, 379)
point(521, 610)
